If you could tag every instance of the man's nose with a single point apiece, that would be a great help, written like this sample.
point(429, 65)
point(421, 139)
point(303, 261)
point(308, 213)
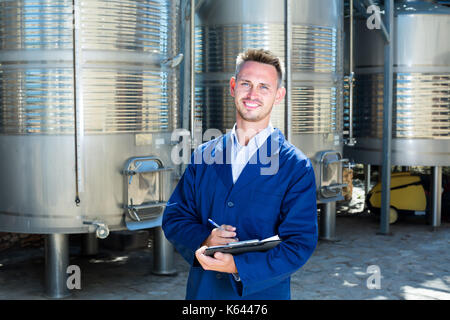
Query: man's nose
point(252, 93)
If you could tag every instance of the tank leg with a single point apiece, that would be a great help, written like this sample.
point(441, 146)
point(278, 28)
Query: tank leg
point(367, 178)
point(327, 222)
point(436, 198)
point(89, 244)
point(163, 254)
point(56, 263)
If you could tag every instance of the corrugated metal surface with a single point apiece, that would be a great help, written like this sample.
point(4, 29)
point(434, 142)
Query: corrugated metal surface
point(218, 47)
point(420, 110)
point(314, 107)
point(118, 49)
point(126, 100)
point(36, 24)
point(216, 51)
point(315, 48)
point(36, 100)
point(126, 25)
point(79, 82)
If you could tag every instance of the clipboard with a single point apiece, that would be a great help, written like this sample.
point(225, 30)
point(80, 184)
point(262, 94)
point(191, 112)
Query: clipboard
point(245, 246)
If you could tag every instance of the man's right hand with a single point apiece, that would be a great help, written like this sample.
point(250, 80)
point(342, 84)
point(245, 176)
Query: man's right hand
point(221, 236)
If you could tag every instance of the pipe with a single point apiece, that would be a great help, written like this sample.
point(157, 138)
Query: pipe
point(186, 16)
point(89, 244)
point(327, 222)
point(163, 254)
point(56, 263)
point(436, 197)
point(192, 73)
point(387, 119)
point(77, 109)
point(351, 141)
point(367, 181)
point(288, 110)
point(101, 228)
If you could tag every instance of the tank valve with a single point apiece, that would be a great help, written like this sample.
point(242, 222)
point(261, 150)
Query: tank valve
point(101, 229)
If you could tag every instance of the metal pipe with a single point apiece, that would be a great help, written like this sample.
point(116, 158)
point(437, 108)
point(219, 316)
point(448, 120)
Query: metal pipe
point(367, 181)
point(351, 37)
point(56, 263)
point(288, 110)
point(163, 254)
point(351, 141)
point(436, 197)
point(387, 119)
point(89, 244)
point(327, 222)
point(76, 107)
point(186, 16)
point(192, 72)
point(101, 228)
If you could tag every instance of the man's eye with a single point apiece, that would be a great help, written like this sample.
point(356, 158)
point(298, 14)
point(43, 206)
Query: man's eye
point(264, 87)
point(245, 84)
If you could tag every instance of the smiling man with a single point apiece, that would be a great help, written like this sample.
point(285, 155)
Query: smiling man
point(249, 201)
point(256, 89)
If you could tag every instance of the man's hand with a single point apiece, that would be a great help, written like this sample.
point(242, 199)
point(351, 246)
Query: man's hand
point(221, 236)
point(222, 262)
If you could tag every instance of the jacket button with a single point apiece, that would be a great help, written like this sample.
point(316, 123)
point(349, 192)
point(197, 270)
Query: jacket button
point(218, 276)
point(230, 204)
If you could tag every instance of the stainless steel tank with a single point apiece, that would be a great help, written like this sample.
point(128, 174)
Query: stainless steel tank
point(88, 99)
point(88, 96)
point(225, 28)
point(313, 56)
point(421, 104)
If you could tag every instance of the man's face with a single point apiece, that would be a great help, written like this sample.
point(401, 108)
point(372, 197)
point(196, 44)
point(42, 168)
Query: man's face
point(255, 91)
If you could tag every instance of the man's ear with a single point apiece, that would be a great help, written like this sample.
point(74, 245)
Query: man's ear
point(232, 85)
point(281, 92)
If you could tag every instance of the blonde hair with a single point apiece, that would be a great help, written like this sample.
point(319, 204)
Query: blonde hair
point(262, 56)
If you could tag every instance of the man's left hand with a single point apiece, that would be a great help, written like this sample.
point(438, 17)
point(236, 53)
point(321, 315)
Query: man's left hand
point(222, 262)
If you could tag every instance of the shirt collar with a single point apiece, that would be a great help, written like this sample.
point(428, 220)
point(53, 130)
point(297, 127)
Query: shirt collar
point(259, 138)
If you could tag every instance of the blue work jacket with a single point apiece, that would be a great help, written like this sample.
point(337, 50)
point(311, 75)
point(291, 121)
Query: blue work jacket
point(274, 195)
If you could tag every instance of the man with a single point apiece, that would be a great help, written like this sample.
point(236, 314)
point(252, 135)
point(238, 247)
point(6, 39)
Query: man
point(256, 185)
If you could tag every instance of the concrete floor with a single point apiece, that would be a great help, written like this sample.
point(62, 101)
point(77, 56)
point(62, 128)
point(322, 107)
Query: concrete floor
point(414, 263)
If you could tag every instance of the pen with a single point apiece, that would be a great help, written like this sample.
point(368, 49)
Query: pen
point(215, 224)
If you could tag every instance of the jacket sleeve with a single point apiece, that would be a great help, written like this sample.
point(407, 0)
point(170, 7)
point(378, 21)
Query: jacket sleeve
point(298, 231)
point(182, 223)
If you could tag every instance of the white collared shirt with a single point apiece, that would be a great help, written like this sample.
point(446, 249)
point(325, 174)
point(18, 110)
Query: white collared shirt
point(240, 155)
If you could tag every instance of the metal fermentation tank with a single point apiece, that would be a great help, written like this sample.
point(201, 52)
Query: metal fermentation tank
point(420, 96)
point(421, 107)
point(307, 36)
point(88, 96)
